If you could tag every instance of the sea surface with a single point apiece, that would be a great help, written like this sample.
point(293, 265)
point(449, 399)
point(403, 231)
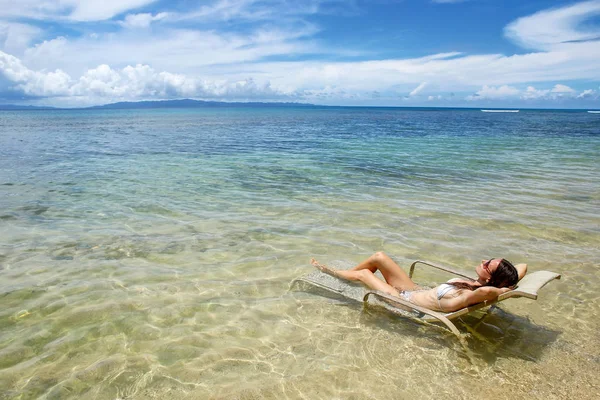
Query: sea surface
point(149, 253)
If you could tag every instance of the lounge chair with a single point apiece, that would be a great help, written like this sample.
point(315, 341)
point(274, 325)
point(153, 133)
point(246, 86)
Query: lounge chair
point(527, 287)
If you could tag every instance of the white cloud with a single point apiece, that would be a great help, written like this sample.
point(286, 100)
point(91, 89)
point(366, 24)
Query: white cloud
point(549, 29)
point(37, 9)
point(33, 83)
point(238, 56)
point(586, 94)
point(494, 93)
point(186, 51)
point(558, 88)
point(228, 9)
point(418, 89)
point(559, 91)
point(133, 21)
point(77, 10)
point(16, 37)
point(97, 10)
point(532, 93)
point(261, 10)
point(104, 84)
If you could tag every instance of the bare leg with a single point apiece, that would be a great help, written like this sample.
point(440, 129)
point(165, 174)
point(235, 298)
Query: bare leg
point(324, 268)
point(365, 276)
point(393, 274)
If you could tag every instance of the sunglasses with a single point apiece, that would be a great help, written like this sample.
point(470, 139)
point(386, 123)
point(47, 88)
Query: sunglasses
point(486, 266)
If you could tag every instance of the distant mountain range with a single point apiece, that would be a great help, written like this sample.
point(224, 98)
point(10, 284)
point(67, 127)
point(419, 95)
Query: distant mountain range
point(185, 103)
point(188, 103)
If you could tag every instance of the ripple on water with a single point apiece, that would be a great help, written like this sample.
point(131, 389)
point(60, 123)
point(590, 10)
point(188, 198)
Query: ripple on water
point(151, 257)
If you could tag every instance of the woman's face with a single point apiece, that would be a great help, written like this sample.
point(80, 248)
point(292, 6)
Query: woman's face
point(487, 268)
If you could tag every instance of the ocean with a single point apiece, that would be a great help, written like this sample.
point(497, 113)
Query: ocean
point(149, 253)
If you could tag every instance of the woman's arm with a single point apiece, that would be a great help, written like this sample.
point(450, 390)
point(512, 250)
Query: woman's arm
point(469, 297)
point(521, 270)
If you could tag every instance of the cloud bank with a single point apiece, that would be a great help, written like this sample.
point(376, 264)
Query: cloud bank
point(129, 83)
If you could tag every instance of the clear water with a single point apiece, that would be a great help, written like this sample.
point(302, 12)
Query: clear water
point(148, 253)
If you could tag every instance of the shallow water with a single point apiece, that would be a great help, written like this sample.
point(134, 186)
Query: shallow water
point(148, 253)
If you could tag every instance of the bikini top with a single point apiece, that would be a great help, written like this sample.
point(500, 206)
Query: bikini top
point(442, 290)
point(445, 288)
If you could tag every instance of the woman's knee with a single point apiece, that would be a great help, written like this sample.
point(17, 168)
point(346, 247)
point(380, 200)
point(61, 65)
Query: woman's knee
point(364, 275)
point(379, 256)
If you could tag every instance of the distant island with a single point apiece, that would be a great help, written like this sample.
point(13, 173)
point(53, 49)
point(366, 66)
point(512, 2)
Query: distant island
point(189, 103)
point(183, 103)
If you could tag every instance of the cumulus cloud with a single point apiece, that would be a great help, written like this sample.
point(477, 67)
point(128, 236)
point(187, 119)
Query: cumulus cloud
point(559, 91)
point(33, 83)
point(559, 88)
point(532, 93)
point(493, 92)
point(104, 83)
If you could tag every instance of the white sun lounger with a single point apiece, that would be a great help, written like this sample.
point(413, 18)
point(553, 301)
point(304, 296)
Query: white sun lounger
point(527, 287)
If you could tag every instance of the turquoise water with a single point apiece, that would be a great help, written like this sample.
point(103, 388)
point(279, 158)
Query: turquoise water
point(148, 253)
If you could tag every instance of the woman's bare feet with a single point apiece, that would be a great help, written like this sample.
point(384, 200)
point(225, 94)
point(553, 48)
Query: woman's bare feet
point(323, 268)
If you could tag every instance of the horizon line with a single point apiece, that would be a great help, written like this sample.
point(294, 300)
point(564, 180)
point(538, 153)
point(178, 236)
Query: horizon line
point(289, 104)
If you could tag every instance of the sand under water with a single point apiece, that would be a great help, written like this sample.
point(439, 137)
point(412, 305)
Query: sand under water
point(148, 254)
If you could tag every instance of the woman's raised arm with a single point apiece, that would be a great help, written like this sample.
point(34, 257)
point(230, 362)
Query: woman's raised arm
point(470, 297)
point(521, 270)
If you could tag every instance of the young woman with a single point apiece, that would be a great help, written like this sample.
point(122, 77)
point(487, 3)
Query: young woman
point(495, 276)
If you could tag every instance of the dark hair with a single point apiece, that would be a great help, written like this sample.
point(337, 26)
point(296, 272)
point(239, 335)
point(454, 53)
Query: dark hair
point(505, 275)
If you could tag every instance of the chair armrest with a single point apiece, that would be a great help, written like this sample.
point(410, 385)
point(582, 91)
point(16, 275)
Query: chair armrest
point(442, 268)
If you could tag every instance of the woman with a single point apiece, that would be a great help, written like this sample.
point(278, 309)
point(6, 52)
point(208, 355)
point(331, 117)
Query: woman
point(495, 276)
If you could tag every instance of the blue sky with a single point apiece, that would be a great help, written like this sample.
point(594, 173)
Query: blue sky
point(473, 53)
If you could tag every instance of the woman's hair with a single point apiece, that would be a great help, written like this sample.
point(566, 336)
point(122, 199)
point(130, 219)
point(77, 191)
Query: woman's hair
point(505, 275)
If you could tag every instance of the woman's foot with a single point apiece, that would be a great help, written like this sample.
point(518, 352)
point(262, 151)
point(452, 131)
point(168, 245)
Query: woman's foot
point(323, 268)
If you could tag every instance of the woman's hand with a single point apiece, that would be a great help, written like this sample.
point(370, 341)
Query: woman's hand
point(521, 270)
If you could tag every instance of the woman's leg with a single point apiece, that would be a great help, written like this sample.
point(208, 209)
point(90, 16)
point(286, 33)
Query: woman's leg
point(393, 274)
point(364, 275)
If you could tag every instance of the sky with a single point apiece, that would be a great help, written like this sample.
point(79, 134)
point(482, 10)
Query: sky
point(435, 53)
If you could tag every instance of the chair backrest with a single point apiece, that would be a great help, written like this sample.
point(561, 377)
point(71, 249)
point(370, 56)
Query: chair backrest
point(530, 284)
